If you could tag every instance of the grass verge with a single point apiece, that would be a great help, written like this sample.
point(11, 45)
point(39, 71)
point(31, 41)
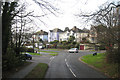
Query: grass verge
point(48, 51)
point(92, 50)
point(54, 54)
point(34, 53)
point(38, 72)
point(56, 49)
point(100, 63)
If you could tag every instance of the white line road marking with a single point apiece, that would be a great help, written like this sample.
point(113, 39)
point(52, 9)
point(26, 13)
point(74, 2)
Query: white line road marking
point(52, 57)
point(70, 68)
point(65, 60)
point(72, 72)
point(51, 60)
point(67, 64)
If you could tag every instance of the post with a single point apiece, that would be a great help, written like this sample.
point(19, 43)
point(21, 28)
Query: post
point(33, 42)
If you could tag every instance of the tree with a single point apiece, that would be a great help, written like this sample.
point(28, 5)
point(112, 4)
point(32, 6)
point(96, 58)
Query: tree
point(71, 39)
point(9, 11)
point(12, 36)
point(8, 14)
point(107, 21)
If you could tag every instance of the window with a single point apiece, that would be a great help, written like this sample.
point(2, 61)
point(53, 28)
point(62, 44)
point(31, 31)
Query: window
point(67, 34)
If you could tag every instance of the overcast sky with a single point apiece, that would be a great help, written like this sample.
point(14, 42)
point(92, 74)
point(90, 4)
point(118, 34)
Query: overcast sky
point(66, 17)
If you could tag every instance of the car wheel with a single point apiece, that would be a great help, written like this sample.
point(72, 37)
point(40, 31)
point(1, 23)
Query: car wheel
point(30, 58)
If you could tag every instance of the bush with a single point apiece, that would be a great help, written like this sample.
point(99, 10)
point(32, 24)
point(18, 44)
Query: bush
point(23, 49)
point(74, 43)
point(77, 45)
point(102, 48)
point(10, 60)
point(63, 46)
point(30, 50)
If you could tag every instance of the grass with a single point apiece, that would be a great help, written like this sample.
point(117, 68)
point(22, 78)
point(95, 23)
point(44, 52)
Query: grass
point(48, 51)
point(94, 60)
point(38, 72)
point(34, 53)
point(92, 50)
point(100, 63)
point(56, 49)
point(54, 54)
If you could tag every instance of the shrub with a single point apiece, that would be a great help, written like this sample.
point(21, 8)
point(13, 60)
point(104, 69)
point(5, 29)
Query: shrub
point(102, 48)
point(30, 50)
point(74, 43)
point(10, 60)
point(23, 49)
point(77, 45)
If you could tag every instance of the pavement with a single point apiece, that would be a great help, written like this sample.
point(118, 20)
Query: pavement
point(22, 73)
point(35, 60)
point(64, 65)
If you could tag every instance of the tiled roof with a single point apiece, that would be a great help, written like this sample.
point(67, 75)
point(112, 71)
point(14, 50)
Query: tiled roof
point(75, 29)
point(41, 32)
point(66, 29)
point(56, 30)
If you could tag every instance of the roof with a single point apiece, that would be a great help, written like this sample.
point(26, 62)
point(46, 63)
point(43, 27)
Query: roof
point(66, 29)
point(41, 32)
point(86, 30)
point(74, 29)
point(56, 30)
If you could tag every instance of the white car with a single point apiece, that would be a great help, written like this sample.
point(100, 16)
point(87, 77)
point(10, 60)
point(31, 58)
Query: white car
point(41, 47)
point(29, 46)
point(75, 50)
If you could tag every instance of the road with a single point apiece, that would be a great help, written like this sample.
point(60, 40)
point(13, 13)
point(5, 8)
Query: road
point(67, 65)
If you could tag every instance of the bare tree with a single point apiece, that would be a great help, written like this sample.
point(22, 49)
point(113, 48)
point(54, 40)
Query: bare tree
point(28, 17)
point(107, 23)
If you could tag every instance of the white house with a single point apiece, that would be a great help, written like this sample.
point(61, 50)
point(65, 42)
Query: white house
point(41, 35)
point(54, 34)
point(76, 32)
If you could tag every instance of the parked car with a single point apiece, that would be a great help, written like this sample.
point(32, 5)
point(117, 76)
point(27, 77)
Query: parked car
point(74, 50)
point(29, 46)
point(41, 47)
point(28, 56)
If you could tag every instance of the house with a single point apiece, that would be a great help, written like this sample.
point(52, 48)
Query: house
point(79, 34)
point(54, 34)
point(93, 34)
point(64, 36)
point(76, 32)
point(41, 35)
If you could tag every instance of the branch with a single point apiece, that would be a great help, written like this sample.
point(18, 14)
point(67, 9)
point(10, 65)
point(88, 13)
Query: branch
point(46, 5)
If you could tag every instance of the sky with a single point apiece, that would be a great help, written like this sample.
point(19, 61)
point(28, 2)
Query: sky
point(66, 17)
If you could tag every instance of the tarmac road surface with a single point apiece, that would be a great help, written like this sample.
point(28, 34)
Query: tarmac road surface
point(67, 65)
